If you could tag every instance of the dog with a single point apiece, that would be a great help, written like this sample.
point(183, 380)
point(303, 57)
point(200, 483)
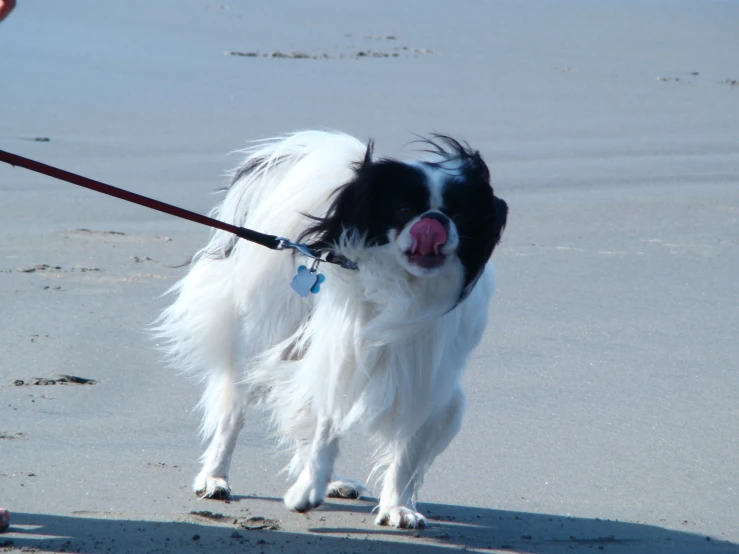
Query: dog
point(381, 347)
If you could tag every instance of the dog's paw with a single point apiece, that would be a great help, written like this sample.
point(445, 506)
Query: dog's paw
point(215, 488)
point(400, 517)
point(343, 488)
point(304, 495)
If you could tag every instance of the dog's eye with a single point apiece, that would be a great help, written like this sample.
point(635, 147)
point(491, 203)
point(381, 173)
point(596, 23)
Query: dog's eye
point(405, 212)
point(458, 217)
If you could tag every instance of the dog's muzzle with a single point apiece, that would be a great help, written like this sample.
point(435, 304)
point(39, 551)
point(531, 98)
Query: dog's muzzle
point(429, 234)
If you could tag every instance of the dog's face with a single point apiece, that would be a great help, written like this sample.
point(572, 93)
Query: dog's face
point(432, 214)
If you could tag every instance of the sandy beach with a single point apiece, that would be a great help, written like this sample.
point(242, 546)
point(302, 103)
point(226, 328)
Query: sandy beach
point(603, 409)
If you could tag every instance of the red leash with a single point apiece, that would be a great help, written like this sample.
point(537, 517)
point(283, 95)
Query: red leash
point(269, 241)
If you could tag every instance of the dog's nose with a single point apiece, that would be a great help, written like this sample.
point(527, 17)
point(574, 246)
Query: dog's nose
point(428, 233)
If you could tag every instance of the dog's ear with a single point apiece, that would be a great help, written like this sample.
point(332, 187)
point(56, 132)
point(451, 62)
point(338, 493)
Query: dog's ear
point(500, 209)
point(348, 206)
point(368, 153)
point(496, 225)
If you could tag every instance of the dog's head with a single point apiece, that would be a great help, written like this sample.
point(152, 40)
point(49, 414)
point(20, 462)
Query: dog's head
point(430, 213)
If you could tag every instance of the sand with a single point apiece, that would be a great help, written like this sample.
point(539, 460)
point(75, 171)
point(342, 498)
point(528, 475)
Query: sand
point(602, 402)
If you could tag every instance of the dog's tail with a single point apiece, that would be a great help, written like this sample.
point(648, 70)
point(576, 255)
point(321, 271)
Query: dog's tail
point(235, 301)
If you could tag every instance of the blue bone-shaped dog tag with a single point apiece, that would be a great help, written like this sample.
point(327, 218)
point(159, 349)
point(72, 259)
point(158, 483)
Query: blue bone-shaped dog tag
point(307, 281)
point(315, 289)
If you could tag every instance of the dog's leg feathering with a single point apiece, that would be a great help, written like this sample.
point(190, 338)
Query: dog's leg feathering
point(310, 488)
point(221, 400)
point(408, 462)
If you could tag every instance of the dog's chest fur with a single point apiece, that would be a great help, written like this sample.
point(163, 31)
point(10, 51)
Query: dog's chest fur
point(377, 349)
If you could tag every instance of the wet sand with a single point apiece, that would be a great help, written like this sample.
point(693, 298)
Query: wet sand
point(602, 402)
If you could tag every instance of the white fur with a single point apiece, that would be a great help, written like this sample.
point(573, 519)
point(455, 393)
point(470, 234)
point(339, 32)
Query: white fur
point(437, 181)
point(378, 347)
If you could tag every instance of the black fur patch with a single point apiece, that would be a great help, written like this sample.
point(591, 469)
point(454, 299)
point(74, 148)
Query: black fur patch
point(386, 194)
point(370, 204)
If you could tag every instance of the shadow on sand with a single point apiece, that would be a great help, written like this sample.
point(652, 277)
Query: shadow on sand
point(473, 529)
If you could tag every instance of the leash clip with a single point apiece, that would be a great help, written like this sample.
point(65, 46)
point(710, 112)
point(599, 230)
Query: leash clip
point(285, 244)
point(331, 257)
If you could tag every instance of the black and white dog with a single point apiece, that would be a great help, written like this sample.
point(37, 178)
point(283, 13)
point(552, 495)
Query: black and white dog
point(382, 347)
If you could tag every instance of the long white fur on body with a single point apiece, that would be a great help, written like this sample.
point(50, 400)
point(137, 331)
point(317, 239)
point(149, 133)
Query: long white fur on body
point(376, 348)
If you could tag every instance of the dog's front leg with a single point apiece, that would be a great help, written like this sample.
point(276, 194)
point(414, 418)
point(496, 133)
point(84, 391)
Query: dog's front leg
point(212, 481)
point(410, 459)
point(310, 488)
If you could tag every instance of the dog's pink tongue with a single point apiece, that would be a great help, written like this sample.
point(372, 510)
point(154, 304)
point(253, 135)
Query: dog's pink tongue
point(428, 235)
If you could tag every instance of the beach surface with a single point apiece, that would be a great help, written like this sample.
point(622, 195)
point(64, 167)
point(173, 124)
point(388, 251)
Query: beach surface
point(602, 410)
